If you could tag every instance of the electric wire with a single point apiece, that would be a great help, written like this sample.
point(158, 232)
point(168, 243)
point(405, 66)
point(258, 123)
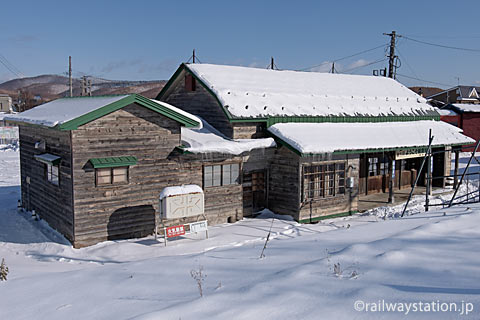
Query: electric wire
point(423, 80)
point(364, 65)
point(441, 45)
point(340, 59)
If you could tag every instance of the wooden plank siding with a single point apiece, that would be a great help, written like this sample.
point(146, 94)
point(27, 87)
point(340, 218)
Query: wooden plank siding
point(249, 130)
point(338, 204)
point(128, 210)
point(199, 102)
point(284, 183)
point(51, 202)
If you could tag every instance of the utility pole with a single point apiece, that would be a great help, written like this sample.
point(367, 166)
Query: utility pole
point(193, 56)
point(89, 87)
point(392, 56)
point(70, 75)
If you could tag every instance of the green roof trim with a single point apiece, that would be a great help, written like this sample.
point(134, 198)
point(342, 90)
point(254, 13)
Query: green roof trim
point(355, 151)
point(112, 162)
point(330, 216)
point(133, 98)
point(271, 120)
point(184, 66)
point(48, 158)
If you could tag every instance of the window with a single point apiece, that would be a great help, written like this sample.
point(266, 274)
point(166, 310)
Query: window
point(372, 167)
point(220, 175)
point(326, 180)
point(108, 176)
point(384, 166)
point(52, 173)
point(190, 83)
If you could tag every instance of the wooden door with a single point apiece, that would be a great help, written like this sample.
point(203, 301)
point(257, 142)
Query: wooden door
point(254, 192)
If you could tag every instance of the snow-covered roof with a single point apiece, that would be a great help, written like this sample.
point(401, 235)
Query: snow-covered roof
point(69, 113)
point(177, 190)
point(207, 139)
point(466, 107)
point(317, 138)
point(252, 92)
point(180, 111)
point(62, 110)
point(446, 112)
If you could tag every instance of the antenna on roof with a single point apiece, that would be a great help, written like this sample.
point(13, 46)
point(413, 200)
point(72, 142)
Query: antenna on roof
point(333, 67)
point(193, 56)
point(272, 64)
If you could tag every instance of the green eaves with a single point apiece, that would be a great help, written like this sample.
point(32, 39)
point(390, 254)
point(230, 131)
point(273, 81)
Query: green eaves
point(133, 98)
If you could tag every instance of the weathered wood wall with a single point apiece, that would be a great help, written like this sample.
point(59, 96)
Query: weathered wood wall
point(123, 211)
point(284, 183)
point(53, 203)
point(249, 130)
point(339, 204)
point(199, 102)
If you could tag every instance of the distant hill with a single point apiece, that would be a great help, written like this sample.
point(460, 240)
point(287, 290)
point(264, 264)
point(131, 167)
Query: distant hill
point(50, 87)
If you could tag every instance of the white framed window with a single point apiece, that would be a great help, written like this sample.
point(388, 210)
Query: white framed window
point(221, 175)
point(52, 174)
point(324, 180)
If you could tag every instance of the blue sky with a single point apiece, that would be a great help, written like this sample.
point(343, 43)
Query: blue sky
point(147, 40)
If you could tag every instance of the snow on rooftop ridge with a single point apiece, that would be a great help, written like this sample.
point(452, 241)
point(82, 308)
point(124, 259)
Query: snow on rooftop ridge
point(206, 139)
point(467, 107)
point(180, 111)
point(316, 138)
point(253, 92)
point(178, 190)
point(62, 110)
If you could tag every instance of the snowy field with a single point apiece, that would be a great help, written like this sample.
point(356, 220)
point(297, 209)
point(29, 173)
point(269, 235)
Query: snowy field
point(423, 265)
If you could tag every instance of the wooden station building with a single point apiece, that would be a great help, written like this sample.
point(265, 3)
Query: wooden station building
point(299, 143)
point(328, 128)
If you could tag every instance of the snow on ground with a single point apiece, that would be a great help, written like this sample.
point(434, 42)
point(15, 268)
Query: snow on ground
point(422, 258)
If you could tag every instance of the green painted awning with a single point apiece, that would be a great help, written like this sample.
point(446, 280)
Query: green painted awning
point(113, 162)
point(48, 158)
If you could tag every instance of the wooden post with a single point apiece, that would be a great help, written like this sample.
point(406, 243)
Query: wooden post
point(455, 172)
point(366, 173)
point(429, 173)
point(391, 178)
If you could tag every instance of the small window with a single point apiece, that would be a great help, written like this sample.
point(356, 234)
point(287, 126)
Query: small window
point(220, 175)
point(373, 169)
point(190, 83)
point(107, 176)
point(52, 174)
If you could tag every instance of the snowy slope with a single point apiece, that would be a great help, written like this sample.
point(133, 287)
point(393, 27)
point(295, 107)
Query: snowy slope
point(252, 92)
point(421, 258)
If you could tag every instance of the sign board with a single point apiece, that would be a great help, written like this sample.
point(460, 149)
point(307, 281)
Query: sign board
point(410, 153)
point(175, 231)
point(183, 205)
point(198, 226)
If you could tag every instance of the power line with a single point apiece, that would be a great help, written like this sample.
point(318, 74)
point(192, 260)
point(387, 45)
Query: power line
point(364, 65)
point(408, 65)
point(441, 45)
point(340, 59)
point(423, 80)
point(7, 64)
